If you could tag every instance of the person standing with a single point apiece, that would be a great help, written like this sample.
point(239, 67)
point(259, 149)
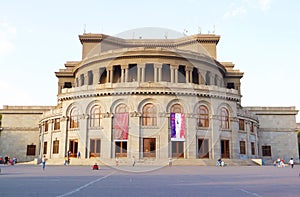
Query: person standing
point(78, 155)
point(69, 155)
point(170, 161)
point(133, 161)
point(291, 162)
point(44, 159)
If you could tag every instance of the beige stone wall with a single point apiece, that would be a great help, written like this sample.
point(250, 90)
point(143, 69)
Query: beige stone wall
point(20, 128)
point(277, 128)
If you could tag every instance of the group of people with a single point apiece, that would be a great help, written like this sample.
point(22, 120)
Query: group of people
point(280, 162)
point(8, 160)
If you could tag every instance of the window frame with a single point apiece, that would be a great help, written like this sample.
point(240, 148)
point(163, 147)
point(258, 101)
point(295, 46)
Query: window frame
point(149, 119)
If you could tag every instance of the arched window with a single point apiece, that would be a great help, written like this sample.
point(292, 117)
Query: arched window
point(176, 108)
point(74, 118)
point(122, 108)
point(203, 116)
point(224, 118)
point(95, 116)
point(149, 116)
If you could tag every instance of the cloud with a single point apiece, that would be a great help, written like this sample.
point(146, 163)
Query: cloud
point(235, 11)
point(7, 35)
point(242, 7)
point(264, 4)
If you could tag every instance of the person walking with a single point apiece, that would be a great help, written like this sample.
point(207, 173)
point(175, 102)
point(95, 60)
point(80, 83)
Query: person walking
point(44, 159)
point(291, 162)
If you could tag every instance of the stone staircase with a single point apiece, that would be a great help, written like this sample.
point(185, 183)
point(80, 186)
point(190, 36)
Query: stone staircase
point(153, 162)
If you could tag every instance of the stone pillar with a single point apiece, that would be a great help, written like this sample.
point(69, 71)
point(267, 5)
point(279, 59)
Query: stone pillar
point(143, 73)
point(155, 72)
point(190, 137)
point(64, 128)
point(106, 137)
point(134, 136)
point(138, 73)
point(96, 73)
point(172, 70)
point(235, 143)
point(82, 138)
point(175, 67)
point(186, 75)
point(124, 69)
point(159, 72)
point(215, 137)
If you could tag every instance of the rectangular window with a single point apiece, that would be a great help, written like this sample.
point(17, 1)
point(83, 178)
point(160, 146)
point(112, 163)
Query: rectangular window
point(117, 74)
point(132, 73)
point(242, 147)
point(103, 75)
point(251, 127)
point(252, 148)
point(241, 124)
point(166, 73)
point(55, 146)
point(56, 124)
point(266, 151)
point(90, 77)
point(181, 74)
point(230, 85)
point(45, 148)
point(149, 71)
point(81, 79)
point(67, 85)
point(31, 150)
point(46, 126)
point(95, 147)
point(121, 148)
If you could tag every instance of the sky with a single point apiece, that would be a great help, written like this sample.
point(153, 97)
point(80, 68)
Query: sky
point(261, 37)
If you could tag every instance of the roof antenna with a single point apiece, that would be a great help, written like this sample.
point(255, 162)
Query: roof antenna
point(185, 32)
point(166, 35)
point(199, 30)
point(84, 28)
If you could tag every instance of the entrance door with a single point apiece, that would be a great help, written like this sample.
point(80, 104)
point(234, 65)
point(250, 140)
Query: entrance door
point(149, 145)
point(73, 147)
point(120, 148)
point(95, 147)
point(177, 149)
point(225, 149)
point(203, 151)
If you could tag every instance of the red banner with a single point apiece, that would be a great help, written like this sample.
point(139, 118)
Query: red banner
point(120, 127)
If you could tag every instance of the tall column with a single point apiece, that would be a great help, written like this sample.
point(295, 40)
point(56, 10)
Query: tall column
point(175, 67)
point(159, 72)
point(96, 74)
point(172, 70)
point(155, 72)
point(138, 73)
point(124, 74)
point(143, 73)
point(186, 75)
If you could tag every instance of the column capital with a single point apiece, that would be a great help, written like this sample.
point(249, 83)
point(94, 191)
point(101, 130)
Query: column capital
point(124, 66)
point(174, 66)
point(157, 65)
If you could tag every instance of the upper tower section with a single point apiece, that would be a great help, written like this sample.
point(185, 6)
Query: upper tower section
point(93, 44)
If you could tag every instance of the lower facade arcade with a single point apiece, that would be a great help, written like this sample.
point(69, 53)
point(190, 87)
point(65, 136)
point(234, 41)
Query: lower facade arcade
point(146, 127)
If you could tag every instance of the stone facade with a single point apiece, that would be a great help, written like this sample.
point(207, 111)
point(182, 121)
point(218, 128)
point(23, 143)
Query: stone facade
point(129, 97)
point(20, 129)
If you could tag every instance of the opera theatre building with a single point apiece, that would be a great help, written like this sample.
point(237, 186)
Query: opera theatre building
point(153, 99)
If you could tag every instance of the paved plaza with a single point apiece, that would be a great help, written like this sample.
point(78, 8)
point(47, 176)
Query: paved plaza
point(31, 180)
